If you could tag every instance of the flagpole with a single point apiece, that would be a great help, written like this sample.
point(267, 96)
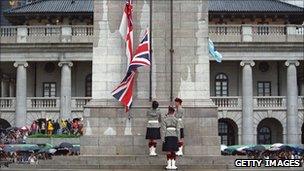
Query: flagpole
point(150, 42)
point(171, 50)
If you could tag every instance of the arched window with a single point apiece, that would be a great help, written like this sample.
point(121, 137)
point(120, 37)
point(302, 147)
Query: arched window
point(88, 85)
point(227, 131)
point(221, 85)
point(264, 135)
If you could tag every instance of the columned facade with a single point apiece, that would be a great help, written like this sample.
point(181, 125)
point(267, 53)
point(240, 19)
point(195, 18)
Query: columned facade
point(66, 83)
point(20, 116)
point(247, 116)
point(292, 103)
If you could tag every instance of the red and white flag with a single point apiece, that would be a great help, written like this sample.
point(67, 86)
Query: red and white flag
point(126, 29)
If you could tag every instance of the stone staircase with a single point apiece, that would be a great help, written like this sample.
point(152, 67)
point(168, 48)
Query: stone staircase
point(142, 163)
point(128, 162)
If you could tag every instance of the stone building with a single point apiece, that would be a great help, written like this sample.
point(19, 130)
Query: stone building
point(60, 54)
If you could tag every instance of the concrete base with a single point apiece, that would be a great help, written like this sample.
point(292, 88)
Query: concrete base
point(109, 131)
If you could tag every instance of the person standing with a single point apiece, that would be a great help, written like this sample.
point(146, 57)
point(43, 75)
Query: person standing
point(179, 115)
point(50, 128)
point(170, 137)
point(153, 127)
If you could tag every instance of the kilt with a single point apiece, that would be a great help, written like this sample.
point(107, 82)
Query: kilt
point(170, 144)
point(182, 133)
point(153, 133)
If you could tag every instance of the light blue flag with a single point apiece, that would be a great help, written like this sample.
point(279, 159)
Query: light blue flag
point(213, 52)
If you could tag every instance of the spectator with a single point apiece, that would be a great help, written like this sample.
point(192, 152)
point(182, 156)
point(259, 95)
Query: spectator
point(34, 127)
point(50, 128)
point(42, 129)
point(57, 128)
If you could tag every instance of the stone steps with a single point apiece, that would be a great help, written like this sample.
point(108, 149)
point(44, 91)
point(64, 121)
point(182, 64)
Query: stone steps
point(127, 162)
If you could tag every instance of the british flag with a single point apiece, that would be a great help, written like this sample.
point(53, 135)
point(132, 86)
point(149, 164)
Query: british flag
point(124, 91)
point(142, 53)
point(126, 29)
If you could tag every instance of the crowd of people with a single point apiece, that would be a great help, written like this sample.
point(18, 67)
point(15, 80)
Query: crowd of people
point(14, 135)
point(33, 153)
point(274, 151)
point(51, 127)
point(13, 147)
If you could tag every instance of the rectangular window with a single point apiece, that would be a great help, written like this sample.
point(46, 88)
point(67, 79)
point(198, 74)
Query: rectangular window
point(49, 89)
point(264, 88)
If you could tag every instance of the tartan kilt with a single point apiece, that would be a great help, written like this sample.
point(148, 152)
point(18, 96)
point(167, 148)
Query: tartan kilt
point(170, 144)
point(153, 133)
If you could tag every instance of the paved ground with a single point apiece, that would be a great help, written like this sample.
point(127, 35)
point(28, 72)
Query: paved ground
point(241, 169)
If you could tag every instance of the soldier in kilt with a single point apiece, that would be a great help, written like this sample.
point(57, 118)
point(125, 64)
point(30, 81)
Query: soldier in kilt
point(179, 115)
point(153, 127)
point(170, 136)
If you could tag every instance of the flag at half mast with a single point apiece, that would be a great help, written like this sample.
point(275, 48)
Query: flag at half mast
point(124, 91)
point(126, 29)
point(142, 55)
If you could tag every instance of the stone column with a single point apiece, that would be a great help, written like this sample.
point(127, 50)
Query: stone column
point(247, 109)
point(65, 95)
point(20, 116)
point(4, 86)
point(292, 103)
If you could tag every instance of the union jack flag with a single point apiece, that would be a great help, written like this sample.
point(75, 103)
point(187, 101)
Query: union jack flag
point(124, 91)
point(142, 53)
point(126, 29)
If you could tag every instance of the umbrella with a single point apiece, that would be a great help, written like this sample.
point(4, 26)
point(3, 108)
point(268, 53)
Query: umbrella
point(274, 149)
point(277, 145)
point(8, 149)
point(75, 149)
point(45, 148)
point(242, 149)
point(286, 148)
point(52, 151)
point(24, 147)
point(258, 148)
point(223, 147)
point(66, 145)
point(232, 149)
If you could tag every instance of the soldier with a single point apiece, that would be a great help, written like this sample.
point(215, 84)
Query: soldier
point(153, 127)
point(179, 115)
point(170, 137)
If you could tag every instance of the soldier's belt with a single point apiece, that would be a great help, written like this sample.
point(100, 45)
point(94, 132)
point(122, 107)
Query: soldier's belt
point(171, 129)
point(153, 121)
